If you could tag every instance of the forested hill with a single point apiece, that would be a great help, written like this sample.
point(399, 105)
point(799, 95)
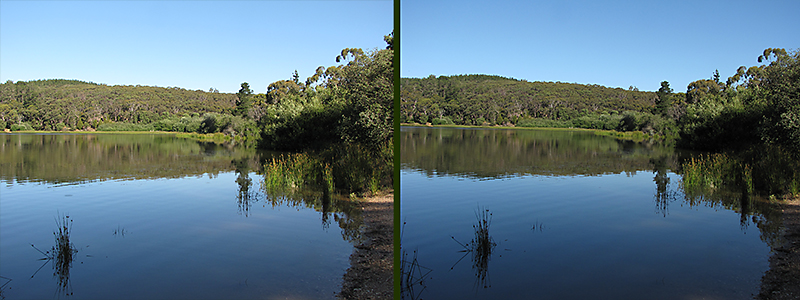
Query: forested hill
point(57, 103)
point(486, 99)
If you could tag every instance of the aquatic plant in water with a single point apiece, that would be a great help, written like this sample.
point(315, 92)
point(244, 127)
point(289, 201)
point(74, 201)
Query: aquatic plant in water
point(61, 255)
point(413, 277)
point(412, 274)
point(481, 247)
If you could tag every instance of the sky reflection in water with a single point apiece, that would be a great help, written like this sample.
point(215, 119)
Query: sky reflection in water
point(562, 235)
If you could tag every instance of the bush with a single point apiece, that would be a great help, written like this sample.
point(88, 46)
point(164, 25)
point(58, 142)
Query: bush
point(121, 126)
point(24, 126)
point(543, 123)
point(442, 121)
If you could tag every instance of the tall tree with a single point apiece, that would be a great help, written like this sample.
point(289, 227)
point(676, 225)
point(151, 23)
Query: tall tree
point(244, 100)
point(664, 99)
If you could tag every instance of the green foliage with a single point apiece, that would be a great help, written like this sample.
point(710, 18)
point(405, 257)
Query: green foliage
point(478, 99)
point(756, 105)
point(344, 168)
point(442, 121)
point(353, 104)
point(25, 126)
point(716, 171)
point(543, 123)
point(122, 126)
point(663, 99)
point(244, 101)
point(296, 171)
point(78, 105)
point(761, 169)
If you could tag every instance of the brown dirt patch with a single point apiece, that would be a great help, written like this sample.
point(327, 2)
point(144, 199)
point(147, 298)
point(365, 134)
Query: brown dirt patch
point(782, 281)
point(370, 275)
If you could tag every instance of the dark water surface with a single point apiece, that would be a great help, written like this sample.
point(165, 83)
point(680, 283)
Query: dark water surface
point(158, 217)
point(573, 216)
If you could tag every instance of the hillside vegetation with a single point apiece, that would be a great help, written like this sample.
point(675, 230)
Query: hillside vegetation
point(710, 115)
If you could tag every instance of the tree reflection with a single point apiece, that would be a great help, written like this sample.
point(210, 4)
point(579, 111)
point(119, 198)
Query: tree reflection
point(302, 180)
point(663, 194)
point(722, 180)
point(244, 196)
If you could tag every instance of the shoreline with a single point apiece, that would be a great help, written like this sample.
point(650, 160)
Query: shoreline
point(371, 275)
point(782, 280)
point(635, 136)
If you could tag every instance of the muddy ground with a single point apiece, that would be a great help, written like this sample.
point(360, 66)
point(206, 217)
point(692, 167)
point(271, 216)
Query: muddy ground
point(782, 281)
point(370, 275)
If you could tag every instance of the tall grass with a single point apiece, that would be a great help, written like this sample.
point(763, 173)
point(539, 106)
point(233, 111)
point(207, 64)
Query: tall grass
point(765, 169)
point(715, 171)
point(289, 172)
point(342, 168)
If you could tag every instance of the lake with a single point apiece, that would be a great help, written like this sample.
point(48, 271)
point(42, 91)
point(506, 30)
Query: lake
point(570, 215)
point(153, 216)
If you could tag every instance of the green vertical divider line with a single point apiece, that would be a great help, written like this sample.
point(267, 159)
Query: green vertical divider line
point(396, 181)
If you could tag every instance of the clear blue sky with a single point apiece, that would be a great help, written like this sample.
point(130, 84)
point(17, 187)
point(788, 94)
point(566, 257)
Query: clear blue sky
point(188, 44)
point(610, 43)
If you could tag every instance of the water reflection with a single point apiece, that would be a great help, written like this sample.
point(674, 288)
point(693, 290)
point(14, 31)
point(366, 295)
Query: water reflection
point(412, 276)
point(245, 197)
point(645, 234)
point(664, 195)
point(81, 158)
point(157, 186)
point(3, 287)
point(719, 180)
point(495, 154)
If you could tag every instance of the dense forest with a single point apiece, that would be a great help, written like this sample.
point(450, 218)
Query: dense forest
point(709, 115)
point(343, 113)
point(59, 104)
point(494, 100)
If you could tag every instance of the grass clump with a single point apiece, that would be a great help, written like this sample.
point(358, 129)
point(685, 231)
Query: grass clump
point(481, 247)
point(717, 170)
point(61, 254)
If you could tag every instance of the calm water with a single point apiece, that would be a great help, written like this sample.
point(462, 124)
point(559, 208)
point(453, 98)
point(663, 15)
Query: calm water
point(158, 217)
point(573, 216)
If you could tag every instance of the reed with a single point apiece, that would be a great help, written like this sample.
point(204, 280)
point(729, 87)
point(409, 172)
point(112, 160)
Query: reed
point(717, 170)
point(344, 169)
point(413, 277)
point(481, 247)
point(61, 254)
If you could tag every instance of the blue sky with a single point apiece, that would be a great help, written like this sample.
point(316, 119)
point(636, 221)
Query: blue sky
point(610, 43)
point(188, 44)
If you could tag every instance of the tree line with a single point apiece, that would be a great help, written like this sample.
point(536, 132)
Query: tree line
point(709, 115)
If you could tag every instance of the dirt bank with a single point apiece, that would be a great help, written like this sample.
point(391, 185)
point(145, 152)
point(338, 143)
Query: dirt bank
point(782, 281)
point(370, 273)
